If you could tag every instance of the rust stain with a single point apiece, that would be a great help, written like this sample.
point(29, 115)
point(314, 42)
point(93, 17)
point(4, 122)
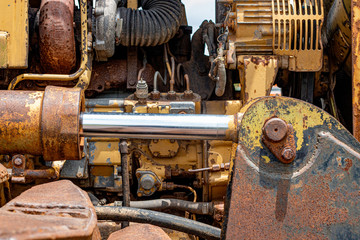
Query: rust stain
point(31, 124)
point(114, 74)
point(264, 60)
point(348, 164)
point(57, 42)
point(278, 209)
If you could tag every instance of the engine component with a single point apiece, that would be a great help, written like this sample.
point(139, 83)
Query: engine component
point(158, 219)
point(83, 70)
point(56, 32)
point(57, 210)
point(155, 24)
point(106, 22)
point(281, 28)
point(30, 123)
point(149, 183)
point(150, 126)
point(113, 75)
point(318, 191)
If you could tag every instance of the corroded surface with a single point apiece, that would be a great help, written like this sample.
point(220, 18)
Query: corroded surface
point(41, 123)
point(315, 197)
point(60, 125)
point(20, 114)
point(114, 74)
point(55, 210)
point(57, 42)
point(140, 232)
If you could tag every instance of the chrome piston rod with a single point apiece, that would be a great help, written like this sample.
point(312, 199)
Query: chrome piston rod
point(159, 126)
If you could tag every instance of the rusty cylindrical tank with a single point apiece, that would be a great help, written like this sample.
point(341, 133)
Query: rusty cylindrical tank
point(57, 42)
point(41, 123)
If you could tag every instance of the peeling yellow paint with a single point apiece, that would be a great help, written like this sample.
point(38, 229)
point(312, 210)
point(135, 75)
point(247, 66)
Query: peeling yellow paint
point(299, 114)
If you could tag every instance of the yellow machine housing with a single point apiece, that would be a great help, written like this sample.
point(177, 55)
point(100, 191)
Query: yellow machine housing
point(14, 34)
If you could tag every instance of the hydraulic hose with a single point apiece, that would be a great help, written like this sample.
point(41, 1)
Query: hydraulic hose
point(202, 208)
point(158, 219)
point(155, 24)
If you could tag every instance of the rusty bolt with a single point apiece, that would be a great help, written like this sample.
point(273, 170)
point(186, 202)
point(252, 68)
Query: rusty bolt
point(155, 95)
point(275, 129)
point(288, 154)
point(18, 161)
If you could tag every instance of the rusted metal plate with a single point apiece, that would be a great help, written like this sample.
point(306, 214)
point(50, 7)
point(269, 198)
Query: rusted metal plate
point(140, 232)
point(114, 75)
point(56, 210)
point(314, 197)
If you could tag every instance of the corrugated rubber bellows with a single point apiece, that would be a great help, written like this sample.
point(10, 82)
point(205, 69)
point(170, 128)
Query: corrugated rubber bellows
point(155, 24)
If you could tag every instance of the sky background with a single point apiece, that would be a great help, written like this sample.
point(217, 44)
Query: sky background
point(199, 10)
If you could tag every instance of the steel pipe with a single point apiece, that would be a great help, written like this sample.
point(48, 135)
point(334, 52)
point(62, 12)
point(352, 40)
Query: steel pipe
point(166, 126)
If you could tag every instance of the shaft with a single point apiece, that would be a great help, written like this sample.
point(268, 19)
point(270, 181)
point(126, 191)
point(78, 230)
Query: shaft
point(150, 126)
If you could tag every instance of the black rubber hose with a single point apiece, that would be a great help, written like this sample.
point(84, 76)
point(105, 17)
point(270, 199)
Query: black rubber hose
point(158, 219)
point(155, 24)
point(202, 208)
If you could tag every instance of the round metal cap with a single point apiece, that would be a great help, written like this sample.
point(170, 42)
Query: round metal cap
point(275, 129)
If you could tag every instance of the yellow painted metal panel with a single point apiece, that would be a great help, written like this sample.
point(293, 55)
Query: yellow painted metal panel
point(3, 49)
point(356, 67)
point(14, 21)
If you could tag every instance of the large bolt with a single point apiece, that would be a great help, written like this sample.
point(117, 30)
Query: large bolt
point(147, 182)
point(275, 129)
point(288, 154)
point(18, 161)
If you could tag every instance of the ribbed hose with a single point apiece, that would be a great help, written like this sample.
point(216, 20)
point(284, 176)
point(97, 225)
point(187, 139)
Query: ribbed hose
point(155, 24)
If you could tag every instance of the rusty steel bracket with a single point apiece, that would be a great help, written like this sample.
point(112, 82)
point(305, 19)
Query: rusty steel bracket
point(314, 197)
point(278, 137)
point(18, 168)
point(19, 173)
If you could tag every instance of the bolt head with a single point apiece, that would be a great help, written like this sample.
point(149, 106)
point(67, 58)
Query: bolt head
point(18, 161)
point(147, 182)
point(275, 129)
point(288, 154)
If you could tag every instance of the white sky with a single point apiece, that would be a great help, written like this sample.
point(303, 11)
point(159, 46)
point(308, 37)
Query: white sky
point(199, 10)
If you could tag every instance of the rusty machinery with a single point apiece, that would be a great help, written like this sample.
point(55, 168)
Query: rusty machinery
point(118, 98)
